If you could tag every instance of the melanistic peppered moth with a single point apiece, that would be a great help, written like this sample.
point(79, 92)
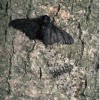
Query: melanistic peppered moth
point(42, 28)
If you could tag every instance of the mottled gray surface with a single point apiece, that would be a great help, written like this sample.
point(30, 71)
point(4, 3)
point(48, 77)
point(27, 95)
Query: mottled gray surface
point(22, 59)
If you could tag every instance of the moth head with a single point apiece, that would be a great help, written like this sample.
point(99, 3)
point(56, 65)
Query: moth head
point(45, 19)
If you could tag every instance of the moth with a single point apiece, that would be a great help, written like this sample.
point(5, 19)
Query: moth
point(55, 72)
point(43, 29)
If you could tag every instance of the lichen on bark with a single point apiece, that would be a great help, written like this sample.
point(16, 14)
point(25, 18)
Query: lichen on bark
point(29, 71)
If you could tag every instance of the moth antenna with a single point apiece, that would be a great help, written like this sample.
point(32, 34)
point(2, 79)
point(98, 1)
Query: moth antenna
point(58, 10)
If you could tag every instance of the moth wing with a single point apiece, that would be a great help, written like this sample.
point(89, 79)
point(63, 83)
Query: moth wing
point(53, 34)
point(62, 36)
point(30, 27)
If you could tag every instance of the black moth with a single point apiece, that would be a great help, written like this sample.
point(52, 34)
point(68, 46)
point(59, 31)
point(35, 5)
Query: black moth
point(42, 28)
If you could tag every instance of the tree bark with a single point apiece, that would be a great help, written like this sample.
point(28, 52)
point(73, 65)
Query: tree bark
point(29, 71)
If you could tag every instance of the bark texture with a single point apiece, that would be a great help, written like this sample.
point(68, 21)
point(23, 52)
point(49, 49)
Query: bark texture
point(29, 71)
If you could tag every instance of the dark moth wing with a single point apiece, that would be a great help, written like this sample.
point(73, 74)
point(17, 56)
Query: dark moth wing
point(43, 29)
point(31, 27)
point(53, 34)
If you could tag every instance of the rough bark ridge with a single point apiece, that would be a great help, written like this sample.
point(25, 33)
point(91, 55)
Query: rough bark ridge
point(29, 71)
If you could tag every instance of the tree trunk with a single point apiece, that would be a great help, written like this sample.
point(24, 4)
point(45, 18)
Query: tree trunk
point(30, 71)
